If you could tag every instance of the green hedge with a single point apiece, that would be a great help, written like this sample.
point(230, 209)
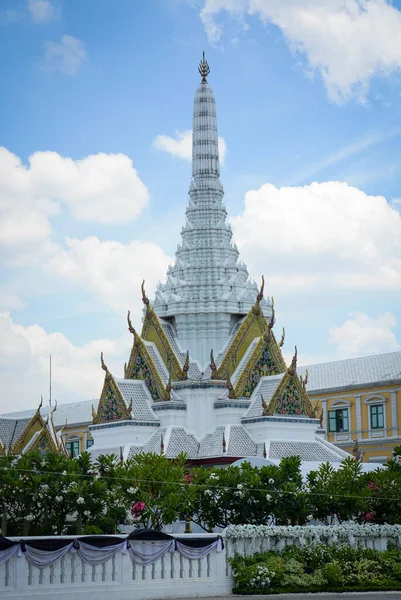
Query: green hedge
point(317, 568)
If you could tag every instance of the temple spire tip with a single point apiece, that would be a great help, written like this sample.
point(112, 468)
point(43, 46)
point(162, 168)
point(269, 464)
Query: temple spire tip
point(203, 68)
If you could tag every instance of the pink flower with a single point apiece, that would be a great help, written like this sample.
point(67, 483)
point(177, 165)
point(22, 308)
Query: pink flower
point(372, 485)
point(368, 516)
point(137, 508)
point(188, 478)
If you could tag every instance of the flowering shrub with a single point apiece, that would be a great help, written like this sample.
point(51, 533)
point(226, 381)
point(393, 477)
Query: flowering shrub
point(307, 537)
point(41, 495)
point(333, 568)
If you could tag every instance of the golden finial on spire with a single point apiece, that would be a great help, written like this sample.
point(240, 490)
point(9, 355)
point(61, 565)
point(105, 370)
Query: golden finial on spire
point(203, 68)
point(282, 338)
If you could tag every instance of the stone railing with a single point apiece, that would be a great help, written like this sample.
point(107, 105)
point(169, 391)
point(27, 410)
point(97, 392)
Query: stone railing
point(172, 574)
point(119, 578)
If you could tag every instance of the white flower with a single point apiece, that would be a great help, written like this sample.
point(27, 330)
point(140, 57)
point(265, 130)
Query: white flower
point(268, 497)
point(208, 493)
point(87, 513)
point(104, 511)
point(29, 518)
point(132, 490)
point(64, 473)
point(271, 481)
point(213, 476)
point(45, 487)
point(239, 494)
point(239, 486)
point(80, 500)
point(42, 463)
point(58, 498)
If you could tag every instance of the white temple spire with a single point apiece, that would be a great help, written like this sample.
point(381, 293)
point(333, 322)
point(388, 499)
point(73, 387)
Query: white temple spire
point(208, 288)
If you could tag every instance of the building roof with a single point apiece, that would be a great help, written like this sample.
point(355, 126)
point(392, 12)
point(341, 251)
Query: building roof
point(353, 372)
point(74, 412)
point(238, 443)
point(11, 428)
point(136, 390)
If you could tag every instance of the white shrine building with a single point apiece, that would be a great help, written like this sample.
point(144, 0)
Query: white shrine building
point(206, 375)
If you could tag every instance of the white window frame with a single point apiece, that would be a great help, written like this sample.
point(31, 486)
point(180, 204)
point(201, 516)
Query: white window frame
point(343, 436)
point(375, 400)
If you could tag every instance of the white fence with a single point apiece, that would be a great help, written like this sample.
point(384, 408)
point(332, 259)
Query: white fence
point(70, 578)
point(171, 575)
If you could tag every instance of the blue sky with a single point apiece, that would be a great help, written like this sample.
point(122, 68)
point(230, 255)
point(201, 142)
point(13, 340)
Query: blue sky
point(297, 104)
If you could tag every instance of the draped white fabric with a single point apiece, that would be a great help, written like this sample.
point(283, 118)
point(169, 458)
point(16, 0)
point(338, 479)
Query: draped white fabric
point(8, 553)
point(93, 555)
point(141, 552)
point(146, 553)
point(195, 553)
point(44, 558)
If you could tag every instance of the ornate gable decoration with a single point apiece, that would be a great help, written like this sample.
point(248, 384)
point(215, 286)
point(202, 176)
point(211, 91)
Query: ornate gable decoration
point(254, 325)
point(266, 359)
point(44, 442)
point(141, 366)
point(112, 405)
point(290, 398)
point(35, 424)
point(152, 331)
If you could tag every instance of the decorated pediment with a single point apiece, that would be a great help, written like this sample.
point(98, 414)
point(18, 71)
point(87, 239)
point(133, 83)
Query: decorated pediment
point(266, 359)
point(290, 398)
point(112, 406)
point(38, 435)
point(152, 331)
point(141, 366)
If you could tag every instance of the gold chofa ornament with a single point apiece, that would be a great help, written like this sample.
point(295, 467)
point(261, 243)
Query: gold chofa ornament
point(203, 68)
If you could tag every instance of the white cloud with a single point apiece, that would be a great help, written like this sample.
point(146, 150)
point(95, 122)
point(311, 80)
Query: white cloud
point(362, 335)
point(41, 10)
point(181, 145)
point(319, 237)
point(76, 373)
point(102, 188)
point(347, 41)
point(112, 271)
point(67, 56)
point(10, 302)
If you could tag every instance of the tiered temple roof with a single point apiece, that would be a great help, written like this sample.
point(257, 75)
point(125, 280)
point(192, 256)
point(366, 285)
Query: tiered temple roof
point(195, 375)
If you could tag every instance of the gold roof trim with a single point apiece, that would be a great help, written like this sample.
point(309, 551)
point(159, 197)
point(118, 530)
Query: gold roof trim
point(123, 410)
point(151, 321)
point(140, 348)
point(275, 402)
point(22, 441)
point(254, 320)
point(276, 355)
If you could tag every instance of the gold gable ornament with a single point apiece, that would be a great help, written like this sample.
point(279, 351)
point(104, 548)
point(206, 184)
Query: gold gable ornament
point(213, 367)
point(256, 307)
point(152, 331)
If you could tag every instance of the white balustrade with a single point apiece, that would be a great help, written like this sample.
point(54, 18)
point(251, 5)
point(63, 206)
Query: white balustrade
point(119, 578)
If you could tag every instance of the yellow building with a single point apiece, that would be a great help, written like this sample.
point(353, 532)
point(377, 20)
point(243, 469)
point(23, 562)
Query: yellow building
point(359, 399)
